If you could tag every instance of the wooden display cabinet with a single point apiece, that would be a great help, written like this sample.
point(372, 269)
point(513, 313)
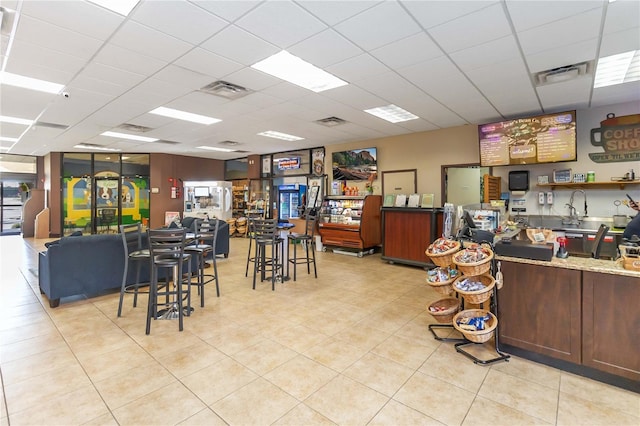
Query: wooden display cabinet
point(407, 232)
point(358, 229)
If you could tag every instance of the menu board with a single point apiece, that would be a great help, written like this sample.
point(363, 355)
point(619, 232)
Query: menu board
point(546, 138)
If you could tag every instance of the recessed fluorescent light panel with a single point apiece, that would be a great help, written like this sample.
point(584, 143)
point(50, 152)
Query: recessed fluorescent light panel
point(290, 68)
point(213, 148)
point(29, 83)
point(618, 69)
point(130, 137)
point(392, 113)
point(122, 7)
point(96, 147)
point(15, 120)
point(183, 115)
point(5, 139)
point(278, 135)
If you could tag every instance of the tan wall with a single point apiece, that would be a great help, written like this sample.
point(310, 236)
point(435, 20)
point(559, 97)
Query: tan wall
point(424, 151)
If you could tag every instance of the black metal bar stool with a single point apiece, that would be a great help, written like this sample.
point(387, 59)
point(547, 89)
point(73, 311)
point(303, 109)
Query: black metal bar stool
point(205, 231)
point(307, 240)
point(166, 249)
point(266, 236)
point(252, 236)
point(133, 253)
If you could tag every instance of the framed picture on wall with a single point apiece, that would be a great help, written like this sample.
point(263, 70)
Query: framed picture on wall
point(427, 201)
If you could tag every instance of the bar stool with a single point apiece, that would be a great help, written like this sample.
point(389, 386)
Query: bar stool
point(306, 239)
point(266, 235)
point(204, 231)
point(133, 252)
point(166, 249)
point(252, 236)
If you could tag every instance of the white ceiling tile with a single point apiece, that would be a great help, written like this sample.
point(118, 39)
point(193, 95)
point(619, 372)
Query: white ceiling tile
point(626, 92)
point(408, 51)
point(354, 96)
point(622, 41)
point(199, 102)
point(622, 15)
point(56, 38)
point(325, 48)
point(182, 77)
point(90, 84)
point(564, 32)
point(159, 92)
point(332, 12)
point(380, 25)
point(509, 77)
point(473, 29)
point(36, 70)
point(179, 19)
point(281, 23)
point(125, 59)
point(228, 10)
point(419, 125)
point(561, 56)
point(11, 130)
point(530, 14)
point(252, 79)
point(432, 13)
point(208, 63)
point(566, 94)
point(27, 53)
point(149, 42)
point(116, 113)
point(30, 103)
point(226, 43)
point(114, 75)
point(359, 68)
point(95, 21)
point(71, 110)
point(496, 51)
point(286, 91)
point(260, 100)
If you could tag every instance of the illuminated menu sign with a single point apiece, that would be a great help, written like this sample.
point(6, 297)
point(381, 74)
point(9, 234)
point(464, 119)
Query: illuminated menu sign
point(543, 139)
point(289, 163)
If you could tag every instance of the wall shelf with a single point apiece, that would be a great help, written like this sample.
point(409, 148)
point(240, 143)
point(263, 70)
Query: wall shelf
point(619, 183)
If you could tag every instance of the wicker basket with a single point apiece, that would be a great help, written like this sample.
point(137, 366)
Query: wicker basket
point(478, 296)
point(445, 258)
point(479, 336)
point(474, 268)
point(452, 306)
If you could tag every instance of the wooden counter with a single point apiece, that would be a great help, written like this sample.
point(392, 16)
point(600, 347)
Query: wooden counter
point(577, 314)
point(407, 232)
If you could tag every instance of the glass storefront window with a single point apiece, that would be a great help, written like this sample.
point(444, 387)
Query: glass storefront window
point(17, 178)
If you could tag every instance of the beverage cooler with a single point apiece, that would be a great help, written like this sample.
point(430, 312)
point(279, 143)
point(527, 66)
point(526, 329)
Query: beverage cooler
point(290, 197)
point(208, 198)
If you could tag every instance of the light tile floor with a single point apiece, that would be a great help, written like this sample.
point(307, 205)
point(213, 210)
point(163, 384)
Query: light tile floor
point(351, 347)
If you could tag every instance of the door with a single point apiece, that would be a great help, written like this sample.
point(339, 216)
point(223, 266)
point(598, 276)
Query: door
point(107, 199)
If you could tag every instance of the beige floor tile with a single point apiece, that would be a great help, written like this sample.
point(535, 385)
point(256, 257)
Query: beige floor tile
point(168, 405)
point(191, 359)
point(133, 383)
point(166, 338)
point(529, 370)
point(436, 398)
point(104, 420)
point(345, 401)
point(35, 345)
point(530, 398)
point(335, 354)
point(218, 380)
point(35, 365)
point(300, 376)
point(447, 364)
point(601, 394)
point(362, 336)
point(486, 412)
point(301, 414)
point(378, 373)
point(232, 340)
point(31, 392)
point(395, 413)
point(105, 365)
point(405, 351)
point(574, 410)
point(264, 356)
point(63, 409)
point(418, 330)
point(298, 337)
point(205, 417)
point(257, 403)
point(27, 331)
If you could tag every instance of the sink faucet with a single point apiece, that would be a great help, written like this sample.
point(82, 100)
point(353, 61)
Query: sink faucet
point(573, 213)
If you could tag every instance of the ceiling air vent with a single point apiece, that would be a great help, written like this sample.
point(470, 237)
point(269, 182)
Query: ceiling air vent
point(331, 121)
point(225, 90)
point(229, 143)
point(167, 142)
point(134, 128)
point(50, 125)
point(564, 73)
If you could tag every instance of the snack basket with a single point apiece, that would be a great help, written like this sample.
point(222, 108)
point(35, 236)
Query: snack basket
point(478, 296)
point(479, 336)
point(452, 306)
point(443, 287)
point(445, 258)
point(473, 268)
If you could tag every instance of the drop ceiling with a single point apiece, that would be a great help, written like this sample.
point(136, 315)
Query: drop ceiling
point(449, 62)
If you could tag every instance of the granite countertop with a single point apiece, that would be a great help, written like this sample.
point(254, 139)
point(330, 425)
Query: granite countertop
point(579, 263)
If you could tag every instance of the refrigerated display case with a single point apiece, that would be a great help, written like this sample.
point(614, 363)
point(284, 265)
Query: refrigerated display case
point(290, 197)
point(208, 198)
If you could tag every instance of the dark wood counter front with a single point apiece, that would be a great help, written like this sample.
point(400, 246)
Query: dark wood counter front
point(406, 233)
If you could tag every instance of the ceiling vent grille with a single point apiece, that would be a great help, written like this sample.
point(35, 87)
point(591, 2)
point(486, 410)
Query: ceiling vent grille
point(50, 125)
point(229, 143)
point(225, 90)
point(167, 142)
point(331, 121)
point(564, 73)
point(134, 128)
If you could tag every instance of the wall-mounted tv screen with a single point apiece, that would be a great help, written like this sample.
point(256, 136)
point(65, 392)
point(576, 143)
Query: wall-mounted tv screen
point(548, 138)
point(355, 164)
point(201, 191)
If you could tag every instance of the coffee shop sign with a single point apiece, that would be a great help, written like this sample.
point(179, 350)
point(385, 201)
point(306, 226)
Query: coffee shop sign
point(619, 137)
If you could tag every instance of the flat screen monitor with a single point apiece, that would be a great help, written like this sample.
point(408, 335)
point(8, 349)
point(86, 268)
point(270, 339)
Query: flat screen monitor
point(468, 219)
point(548, 138)
point(355, 164)
point(201, 191)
